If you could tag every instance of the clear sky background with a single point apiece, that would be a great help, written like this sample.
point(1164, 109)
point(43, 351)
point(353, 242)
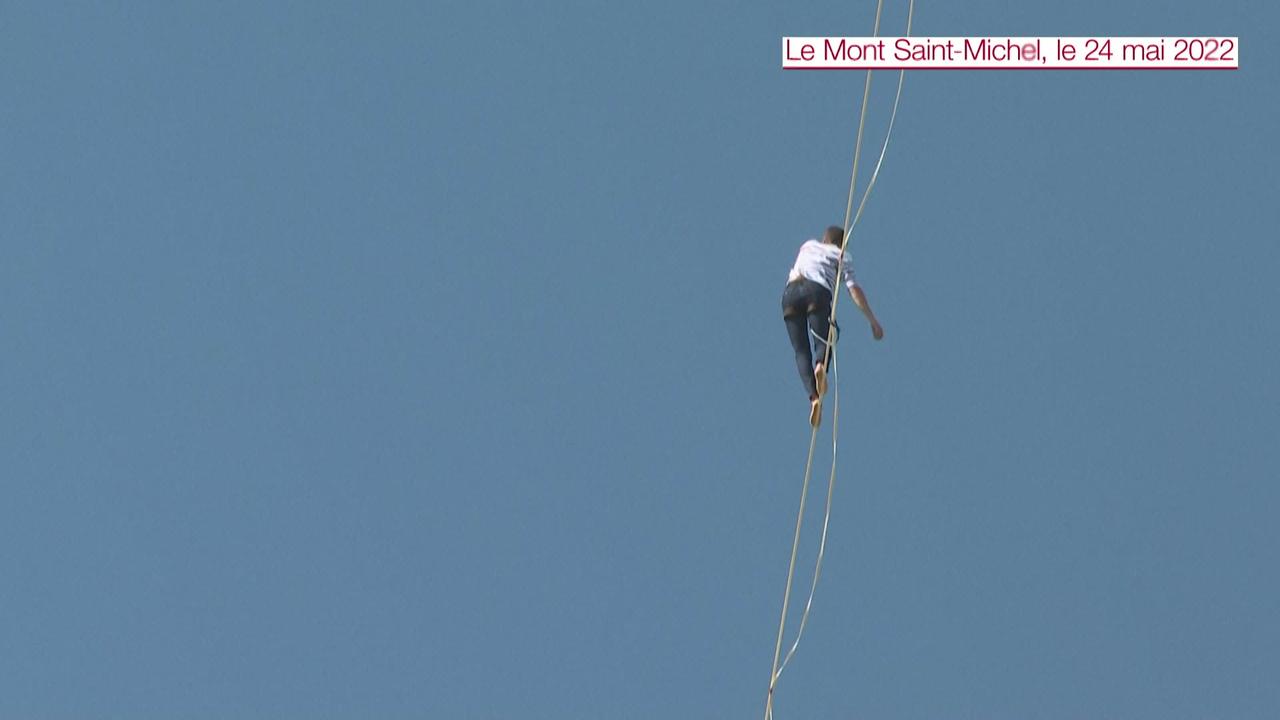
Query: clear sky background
point(424, 360)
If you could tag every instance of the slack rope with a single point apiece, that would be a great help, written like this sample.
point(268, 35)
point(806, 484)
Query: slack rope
point(829, 361)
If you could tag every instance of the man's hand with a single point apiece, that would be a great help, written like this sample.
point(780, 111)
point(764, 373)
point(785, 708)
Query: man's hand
point(877, 332)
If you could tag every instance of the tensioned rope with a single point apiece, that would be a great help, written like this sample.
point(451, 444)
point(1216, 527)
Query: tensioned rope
point(813, 436)
point(893, 116)
point(828, 361)
point(835, 411)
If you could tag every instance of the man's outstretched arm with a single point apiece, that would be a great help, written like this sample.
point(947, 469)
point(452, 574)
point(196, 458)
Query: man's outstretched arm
point(860, 299)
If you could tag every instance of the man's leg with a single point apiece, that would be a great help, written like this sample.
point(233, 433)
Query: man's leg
point(819, 324)
point(798, 331)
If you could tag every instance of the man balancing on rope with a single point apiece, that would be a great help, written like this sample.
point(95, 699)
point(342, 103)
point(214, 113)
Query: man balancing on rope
point(806, 307)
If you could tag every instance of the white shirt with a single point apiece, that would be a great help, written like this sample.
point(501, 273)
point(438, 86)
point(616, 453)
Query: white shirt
point(817, 262)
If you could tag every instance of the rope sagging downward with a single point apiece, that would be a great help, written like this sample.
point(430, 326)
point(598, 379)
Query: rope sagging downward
point(813, 436)
point(829, 361)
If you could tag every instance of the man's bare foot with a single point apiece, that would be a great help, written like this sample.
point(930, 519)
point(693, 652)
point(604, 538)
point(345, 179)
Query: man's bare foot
point(815, 412)
point(820, 378)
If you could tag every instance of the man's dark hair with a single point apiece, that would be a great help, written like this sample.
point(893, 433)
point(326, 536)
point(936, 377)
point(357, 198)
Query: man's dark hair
point(834, 235)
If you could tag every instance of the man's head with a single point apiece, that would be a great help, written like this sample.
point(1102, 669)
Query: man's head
point(834, 235)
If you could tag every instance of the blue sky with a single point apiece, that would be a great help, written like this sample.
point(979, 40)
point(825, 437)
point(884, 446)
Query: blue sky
point(425, 360)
